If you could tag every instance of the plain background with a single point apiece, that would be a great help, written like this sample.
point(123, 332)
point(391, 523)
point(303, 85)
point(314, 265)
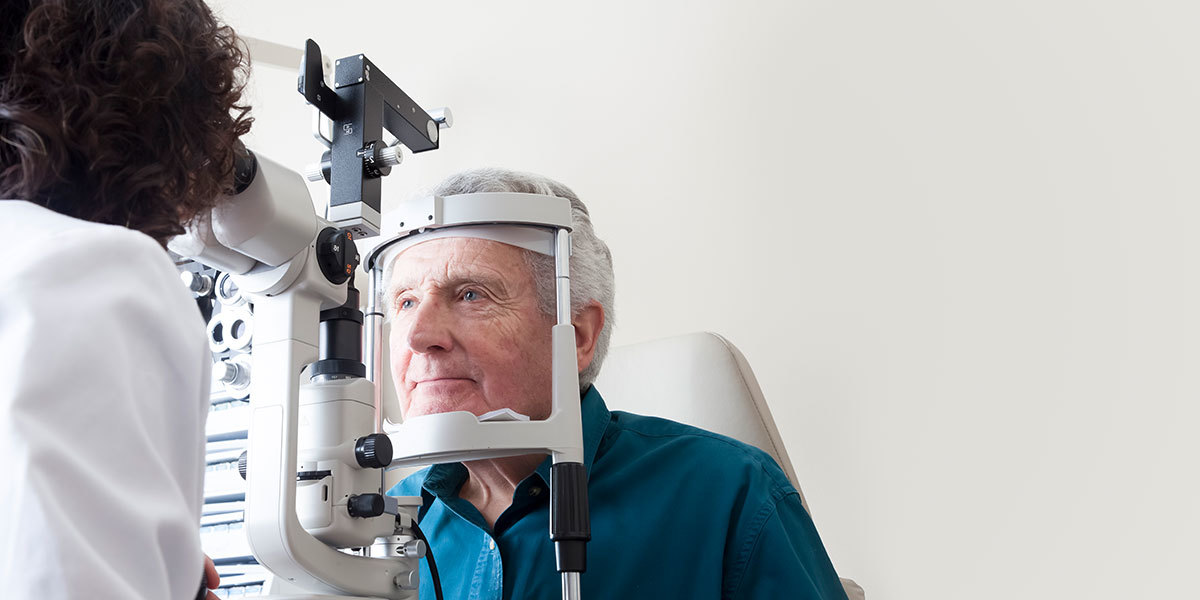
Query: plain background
point(954, 239)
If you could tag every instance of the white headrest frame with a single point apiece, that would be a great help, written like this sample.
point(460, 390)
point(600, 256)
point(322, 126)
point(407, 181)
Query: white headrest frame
point(486, 215)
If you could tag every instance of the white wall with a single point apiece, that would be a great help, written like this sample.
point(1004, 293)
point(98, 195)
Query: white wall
point(955, 239)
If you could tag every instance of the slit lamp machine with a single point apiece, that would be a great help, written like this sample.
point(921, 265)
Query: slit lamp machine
point(317, 451)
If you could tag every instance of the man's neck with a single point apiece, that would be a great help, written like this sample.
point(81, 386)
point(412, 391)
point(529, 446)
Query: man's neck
point(490, 483)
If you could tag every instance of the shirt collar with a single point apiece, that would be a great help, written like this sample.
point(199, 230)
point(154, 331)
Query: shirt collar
point(445, 479)
point(595, 417)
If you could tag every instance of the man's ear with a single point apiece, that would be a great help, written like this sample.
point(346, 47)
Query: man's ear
point(588, 324)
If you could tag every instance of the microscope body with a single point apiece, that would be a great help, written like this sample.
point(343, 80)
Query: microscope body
point(303, 470)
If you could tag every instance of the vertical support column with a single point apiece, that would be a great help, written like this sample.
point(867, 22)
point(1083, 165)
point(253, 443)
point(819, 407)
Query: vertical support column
point(562, 275)
point(351, 133)
point(570, 528)
point(286, 341)
point(373, 350)
point(373, 340)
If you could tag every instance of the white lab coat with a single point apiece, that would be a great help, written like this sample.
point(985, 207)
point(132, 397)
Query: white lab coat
point(103, 399)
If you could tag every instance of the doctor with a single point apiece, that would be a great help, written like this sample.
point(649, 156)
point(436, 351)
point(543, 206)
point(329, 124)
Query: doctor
point(118, 121)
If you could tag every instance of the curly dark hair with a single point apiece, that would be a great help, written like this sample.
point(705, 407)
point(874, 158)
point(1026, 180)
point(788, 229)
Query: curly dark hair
point(125, 112)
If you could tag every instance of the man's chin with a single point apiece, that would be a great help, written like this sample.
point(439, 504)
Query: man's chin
point(443, 396)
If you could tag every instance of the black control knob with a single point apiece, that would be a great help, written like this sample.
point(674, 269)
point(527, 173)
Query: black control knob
point(373, 451)
point(337, 254)
point(242, 464)
point(365, 505)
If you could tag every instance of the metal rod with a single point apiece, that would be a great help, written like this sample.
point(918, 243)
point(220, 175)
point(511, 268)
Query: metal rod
point(373, 352)
point(562, 277)
point(562, 274)
point(570, 586)
point(373, 342)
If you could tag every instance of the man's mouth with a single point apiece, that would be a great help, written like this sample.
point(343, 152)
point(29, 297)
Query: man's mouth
point(431, 380)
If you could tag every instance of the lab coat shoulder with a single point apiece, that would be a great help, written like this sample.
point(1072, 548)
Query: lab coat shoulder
point(48, 252)
point(101, 417)
point(101, 294)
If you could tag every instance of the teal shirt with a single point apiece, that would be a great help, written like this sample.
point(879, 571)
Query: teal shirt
point(676, 512)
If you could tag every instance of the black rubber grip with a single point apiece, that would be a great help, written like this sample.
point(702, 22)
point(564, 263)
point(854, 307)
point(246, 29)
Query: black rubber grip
point(570, 527)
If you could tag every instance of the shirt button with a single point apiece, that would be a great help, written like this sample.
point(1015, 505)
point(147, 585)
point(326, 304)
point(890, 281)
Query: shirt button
point(491, 544)
point(534, 491)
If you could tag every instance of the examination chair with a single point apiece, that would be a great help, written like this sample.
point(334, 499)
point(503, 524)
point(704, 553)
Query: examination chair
point(703, 380)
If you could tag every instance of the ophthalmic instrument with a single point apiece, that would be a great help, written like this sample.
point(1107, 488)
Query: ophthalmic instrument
point(316, 515)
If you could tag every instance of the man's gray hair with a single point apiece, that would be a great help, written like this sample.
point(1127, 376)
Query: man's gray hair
point(591, 261)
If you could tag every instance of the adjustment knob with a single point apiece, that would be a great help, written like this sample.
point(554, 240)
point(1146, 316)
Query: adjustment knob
point(443, 117)
point(365, 505)
point(242, 464)
point(225, 371)
point(407, 580)
point(373, 451)
point(199, 284)
point(320, 170)
point(375, 163)
point(234, 374)
point(337, 254)
point(391, 156)
point(413, 548)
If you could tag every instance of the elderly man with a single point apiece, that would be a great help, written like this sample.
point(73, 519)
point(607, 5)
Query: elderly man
point(676, 512)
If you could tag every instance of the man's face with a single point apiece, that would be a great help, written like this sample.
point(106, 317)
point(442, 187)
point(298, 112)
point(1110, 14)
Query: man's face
point(467, 333)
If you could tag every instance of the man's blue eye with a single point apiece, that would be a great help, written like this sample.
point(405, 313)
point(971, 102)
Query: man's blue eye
point(470, 295)
point(406, 303)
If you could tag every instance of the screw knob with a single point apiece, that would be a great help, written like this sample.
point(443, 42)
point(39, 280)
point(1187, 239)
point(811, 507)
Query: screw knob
point(225, 371)
point(443, 117)
point(414, 548)
point(407, 580)
point(365, 505)
point(199, 284)
point(234, 374)
point(373, 451)
point(391, 156)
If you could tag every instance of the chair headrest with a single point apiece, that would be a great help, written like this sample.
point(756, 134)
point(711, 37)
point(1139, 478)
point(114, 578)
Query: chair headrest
point(700, 379)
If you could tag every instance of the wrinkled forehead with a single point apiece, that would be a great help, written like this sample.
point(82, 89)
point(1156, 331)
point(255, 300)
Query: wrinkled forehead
point(535, 239)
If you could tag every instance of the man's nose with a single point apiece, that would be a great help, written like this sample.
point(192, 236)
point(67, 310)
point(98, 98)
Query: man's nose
point(430, 328)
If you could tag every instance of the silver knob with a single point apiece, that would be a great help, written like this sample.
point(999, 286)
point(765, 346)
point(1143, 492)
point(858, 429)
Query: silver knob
point(407, 580)
point(199, 284)
point(235, 374)
point(391, 156)
point(314, 172)
point(412, 549)
point(443, 117)
point(225, 371)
